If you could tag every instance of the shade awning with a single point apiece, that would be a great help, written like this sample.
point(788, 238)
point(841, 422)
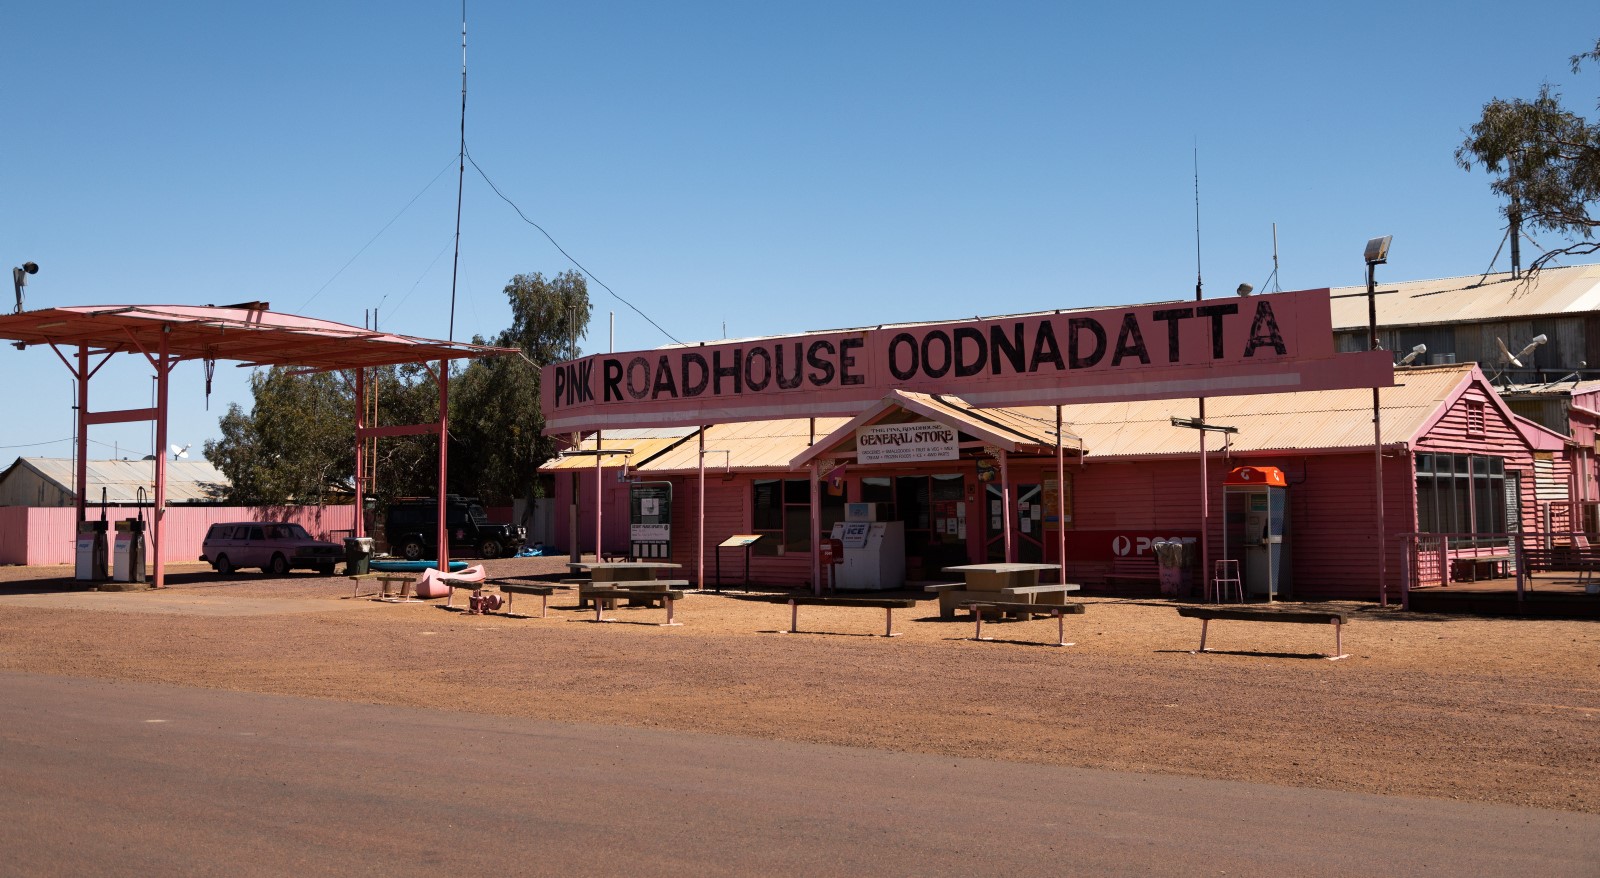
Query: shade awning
point(254, 336)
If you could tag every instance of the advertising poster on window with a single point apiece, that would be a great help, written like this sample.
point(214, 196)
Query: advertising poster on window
point(1054, 501)
point(906, 443)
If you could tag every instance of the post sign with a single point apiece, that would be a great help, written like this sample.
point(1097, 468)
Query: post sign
point(906, 443)
point(650, 520)
point(1217, 347)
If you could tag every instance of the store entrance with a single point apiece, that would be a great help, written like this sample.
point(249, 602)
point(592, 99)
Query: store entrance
point(933, 509)
point(1027, 523)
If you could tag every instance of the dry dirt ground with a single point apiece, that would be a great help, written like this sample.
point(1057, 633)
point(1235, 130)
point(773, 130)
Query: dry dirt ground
point(1487, 710)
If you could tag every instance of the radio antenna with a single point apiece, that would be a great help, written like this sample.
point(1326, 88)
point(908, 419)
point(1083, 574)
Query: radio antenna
point(1198, 283)
point(461, 172)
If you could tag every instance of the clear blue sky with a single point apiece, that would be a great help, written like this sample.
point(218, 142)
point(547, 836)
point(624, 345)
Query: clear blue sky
point(779, 167)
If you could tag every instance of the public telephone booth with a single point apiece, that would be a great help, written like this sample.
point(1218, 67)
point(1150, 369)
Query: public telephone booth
point(1255, 512)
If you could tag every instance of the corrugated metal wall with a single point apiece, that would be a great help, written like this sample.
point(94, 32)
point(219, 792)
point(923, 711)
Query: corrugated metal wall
point(1568, 346)
point(36, 535)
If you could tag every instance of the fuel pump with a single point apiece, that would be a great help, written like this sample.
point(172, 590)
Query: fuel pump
point(127, 555)
point(90, 555)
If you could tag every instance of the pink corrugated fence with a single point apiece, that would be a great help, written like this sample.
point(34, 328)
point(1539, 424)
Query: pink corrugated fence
point(45, 535)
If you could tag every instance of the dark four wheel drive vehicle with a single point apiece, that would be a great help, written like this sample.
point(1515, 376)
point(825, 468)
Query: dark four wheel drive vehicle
point(412, 527)
point(275, 546)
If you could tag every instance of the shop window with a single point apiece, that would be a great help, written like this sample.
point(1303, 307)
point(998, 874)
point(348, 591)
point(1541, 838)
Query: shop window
point(1465, 494)
point(1475, 419)
point(780, 509)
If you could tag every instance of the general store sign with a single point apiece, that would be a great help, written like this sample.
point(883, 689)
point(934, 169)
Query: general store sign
point(906, 443)
point(1220, 347)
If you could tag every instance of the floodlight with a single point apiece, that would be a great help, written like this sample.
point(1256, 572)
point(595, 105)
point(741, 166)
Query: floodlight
point(1416, 352)
point(1378, 250)
point(1244, 289)
point(19, 279)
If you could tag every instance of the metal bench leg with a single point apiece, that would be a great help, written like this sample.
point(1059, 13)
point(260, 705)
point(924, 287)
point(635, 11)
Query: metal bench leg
point(1061, 628)
point(544, 605)
point(670, 623)
point(1338, 642)
point(1204, 625)
point(794, 618)
point(978, 617)
point(888, 616)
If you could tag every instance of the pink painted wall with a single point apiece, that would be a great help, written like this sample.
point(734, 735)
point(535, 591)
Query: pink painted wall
point(42, 535)
point(1330, 507)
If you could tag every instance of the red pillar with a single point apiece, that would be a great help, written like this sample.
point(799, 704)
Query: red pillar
point(81, 477)
point(1005, 506)
point(444, 464)
point(1061, 500)
point(163, 369)
point(599, 494)
point(361, 443)
point(816, 527)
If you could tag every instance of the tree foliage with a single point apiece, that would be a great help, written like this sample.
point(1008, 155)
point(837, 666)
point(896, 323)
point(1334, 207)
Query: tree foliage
point(495, 416)
point(1547, 161)
point(297, 442)
point(293, 446)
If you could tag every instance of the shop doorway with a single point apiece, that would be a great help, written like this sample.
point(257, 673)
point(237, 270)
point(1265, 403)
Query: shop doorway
point(933, 509)
point(1027, 523)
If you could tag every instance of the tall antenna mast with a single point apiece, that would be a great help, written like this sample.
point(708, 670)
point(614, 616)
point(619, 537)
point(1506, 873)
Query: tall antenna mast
point(1198, 284)
point(1277, 282)
point(461, 173)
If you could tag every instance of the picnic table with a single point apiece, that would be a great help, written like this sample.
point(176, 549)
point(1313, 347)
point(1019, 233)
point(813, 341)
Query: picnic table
point(1006, 582)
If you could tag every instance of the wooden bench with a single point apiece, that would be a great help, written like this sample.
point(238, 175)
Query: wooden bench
point(1133, 570)
point(888, 605)
point(1059, 611)
point(601, 595)
point(1246, 614)
point(1464, 568)
point(954, 595)
point(392, 587)
point(509, 587)
point(1582, 560)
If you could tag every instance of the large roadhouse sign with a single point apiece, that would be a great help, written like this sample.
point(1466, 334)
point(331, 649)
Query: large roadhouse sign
point(1258, 344)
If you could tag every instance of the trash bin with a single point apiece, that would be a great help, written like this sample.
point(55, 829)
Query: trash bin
point(357, 555)
point(1169, 565)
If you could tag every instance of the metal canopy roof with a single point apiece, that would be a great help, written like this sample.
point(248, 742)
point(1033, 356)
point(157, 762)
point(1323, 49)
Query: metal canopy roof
point(256, 336)
point(1565, 290)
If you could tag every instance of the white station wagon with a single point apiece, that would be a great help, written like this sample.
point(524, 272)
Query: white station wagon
point(275, 546)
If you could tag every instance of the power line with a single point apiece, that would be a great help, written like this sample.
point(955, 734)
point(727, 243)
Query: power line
point(587, 273)
point(369, 243)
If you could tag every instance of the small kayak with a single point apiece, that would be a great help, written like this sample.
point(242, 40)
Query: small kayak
point(413, 566)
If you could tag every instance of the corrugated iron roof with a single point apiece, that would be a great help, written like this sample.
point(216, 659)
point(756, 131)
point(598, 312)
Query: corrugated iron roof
point(1320, 420)
point(1551, 291)
point(188, 481)
point(642, 446)
point(753, 445)
point(1310, 421)
point(253, 335)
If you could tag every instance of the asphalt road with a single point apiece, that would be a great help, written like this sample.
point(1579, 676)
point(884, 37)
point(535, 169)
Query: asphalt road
point(117, 778)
